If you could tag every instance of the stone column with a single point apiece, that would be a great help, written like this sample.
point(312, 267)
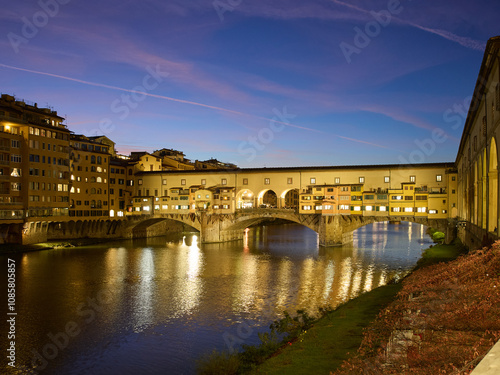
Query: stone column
point(331, 231)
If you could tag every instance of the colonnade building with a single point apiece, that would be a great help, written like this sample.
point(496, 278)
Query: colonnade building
point(477, 157)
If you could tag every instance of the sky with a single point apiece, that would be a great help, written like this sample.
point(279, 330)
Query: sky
point(257, 83)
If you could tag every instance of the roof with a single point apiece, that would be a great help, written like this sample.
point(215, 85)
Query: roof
point(446, 165)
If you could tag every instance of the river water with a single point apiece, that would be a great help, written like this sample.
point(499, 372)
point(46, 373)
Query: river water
point(154, 306)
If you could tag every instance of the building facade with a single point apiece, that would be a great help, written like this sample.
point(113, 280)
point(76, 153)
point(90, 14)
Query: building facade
point(477, 158)
point(34, 161)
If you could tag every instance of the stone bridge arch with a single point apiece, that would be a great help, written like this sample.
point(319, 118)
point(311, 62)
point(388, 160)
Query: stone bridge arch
point(332, 230)
point(243, 221)
point(162, 224)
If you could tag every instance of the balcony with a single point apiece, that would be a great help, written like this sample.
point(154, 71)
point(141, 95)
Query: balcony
point(4, 162)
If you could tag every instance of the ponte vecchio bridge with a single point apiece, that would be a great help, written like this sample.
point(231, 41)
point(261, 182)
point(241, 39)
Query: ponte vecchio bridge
point(333, 201)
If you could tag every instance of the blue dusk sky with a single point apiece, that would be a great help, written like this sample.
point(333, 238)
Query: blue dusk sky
point(256, 83)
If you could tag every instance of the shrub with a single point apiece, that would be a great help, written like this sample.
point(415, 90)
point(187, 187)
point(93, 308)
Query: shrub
point(438, 237)
point(218, 363)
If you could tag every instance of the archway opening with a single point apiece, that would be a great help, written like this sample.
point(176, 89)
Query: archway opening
point(290, 199)
point(245, 199)
point(267, 199)
point(493, 189)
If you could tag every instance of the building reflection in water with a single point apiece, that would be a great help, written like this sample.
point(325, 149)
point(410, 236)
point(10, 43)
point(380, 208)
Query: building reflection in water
point(188, 284)
point(143, 305)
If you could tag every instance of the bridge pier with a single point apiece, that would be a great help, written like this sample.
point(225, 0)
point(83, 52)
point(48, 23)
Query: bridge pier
point(219, 228)
point(332, 231)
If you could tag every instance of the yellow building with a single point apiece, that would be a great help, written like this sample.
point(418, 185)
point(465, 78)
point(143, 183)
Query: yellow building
point(356, 199)
point(119, 194)
point(477, 157)
point(34, 160)
point(375, 203)
point(89, 194)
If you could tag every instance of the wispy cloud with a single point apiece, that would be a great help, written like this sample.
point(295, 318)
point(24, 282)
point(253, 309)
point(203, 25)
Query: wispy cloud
point(463, 41)
point(102, 85)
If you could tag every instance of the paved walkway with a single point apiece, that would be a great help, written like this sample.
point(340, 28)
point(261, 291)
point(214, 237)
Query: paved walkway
point(490, 365)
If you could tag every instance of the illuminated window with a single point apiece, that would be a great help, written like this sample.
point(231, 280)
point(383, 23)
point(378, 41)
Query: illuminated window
point(313, 180)
point(337, 180)
point(361, 180)
point(439, 178)
point(387, 179)
point(408, 209)
point(368, 208)
point(267, 181)
point(16, 172)
point(224, 181)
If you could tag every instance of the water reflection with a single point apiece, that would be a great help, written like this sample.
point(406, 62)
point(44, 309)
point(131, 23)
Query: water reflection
point(143, 305)
point(173, 298)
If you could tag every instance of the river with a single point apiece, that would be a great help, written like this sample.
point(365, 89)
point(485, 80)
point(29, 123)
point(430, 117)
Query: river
point(154, 306)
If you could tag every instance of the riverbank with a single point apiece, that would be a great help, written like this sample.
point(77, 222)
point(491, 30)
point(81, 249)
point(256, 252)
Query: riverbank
point(442, 317)
point(6, 249)
point(336, 336)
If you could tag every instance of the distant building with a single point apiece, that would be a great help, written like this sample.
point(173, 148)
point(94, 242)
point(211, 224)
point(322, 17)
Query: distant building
point(89, 193)
point(213, 164)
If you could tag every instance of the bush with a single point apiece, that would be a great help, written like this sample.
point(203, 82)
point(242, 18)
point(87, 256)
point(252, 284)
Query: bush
point(218, 363)
point(438, 237)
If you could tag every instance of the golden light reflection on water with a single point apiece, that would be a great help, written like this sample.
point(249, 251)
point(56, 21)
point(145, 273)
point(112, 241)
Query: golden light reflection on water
point(284, 283)
point(181, 282)
point(188, 286)
point(329, 277)
point(345, 278)
point(369, 277)
point(247, 283)
point(144, 295)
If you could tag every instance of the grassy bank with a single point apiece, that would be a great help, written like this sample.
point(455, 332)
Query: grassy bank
point(325, 346)
point(336, 336)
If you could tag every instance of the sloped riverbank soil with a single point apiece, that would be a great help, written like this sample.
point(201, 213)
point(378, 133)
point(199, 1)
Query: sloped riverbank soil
point(443, 321)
